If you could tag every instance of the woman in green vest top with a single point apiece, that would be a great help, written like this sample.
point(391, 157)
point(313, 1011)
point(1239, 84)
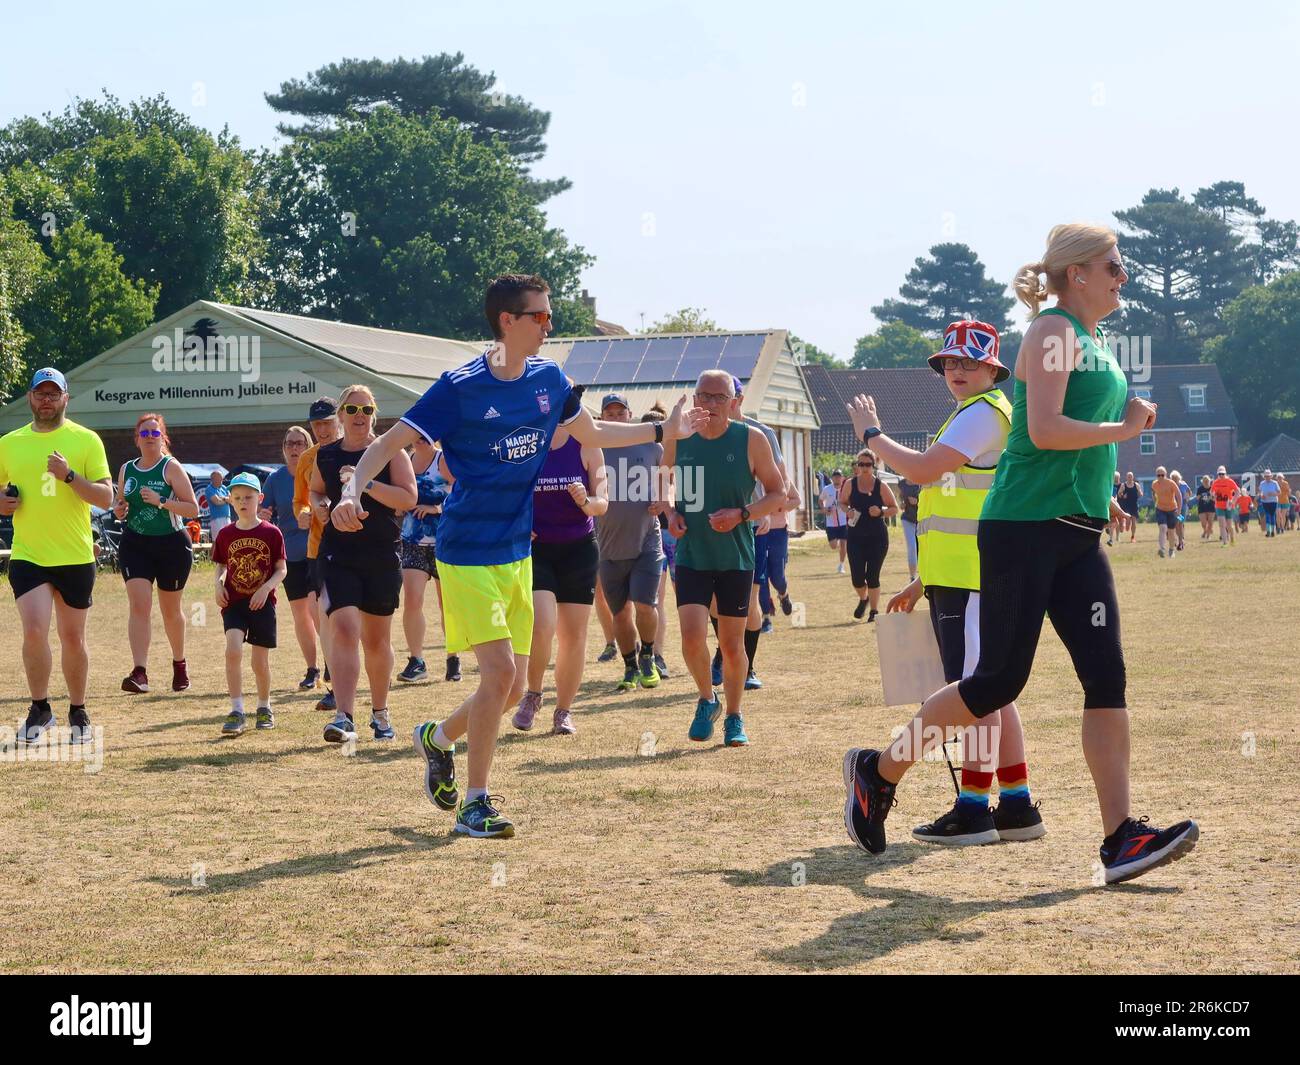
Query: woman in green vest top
point(1039, 552)
point(154, 497)
point(956, 473)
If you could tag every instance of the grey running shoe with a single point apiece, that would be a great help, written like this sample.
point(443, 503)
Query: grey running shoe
point(265, 719)
point(235, 724)
point(562, 724)
point(528, 707)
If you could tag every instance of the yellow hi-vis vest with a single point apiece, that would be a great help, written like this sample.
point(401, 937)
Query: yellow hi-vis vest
point(948, 513)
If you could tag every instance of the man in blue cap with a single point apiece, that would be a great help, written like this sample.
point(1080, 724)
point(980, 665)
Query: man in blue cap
point(51, 473)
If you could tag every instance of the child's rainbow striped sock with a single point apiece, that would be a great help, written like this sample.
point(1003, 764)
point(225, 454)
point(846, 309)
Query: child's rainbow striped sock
point(975, 787)
point(1013, 785)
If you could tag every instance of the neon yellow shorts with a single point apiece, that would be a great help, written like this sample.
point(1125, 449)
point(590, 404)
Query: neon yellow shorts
point(486, 603)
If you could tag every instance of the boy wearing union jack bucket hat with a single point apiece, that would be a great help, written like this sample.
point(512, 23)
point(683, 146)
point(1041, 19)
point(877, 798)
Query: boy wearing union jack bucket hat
point(956, 472)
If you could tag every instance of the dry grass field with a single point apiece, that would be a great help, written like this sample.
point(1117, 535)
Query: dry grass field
point(693, 857)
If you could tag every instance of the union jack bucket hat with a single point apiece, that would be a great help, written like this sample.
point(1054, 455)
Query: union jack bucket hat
point(971, 340)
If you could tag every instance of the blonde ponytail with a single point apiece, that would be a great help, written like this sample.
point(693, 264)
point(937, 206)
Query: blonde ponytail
point(1070, 244)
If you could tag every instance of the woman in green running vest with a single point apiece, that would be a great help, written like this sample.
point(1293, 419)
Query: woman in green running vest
point(1040, 554)
point(154, 497)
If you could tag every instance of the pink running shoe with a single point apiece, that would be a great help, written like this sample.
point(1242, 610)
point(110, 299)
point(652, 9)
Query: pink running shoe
point(528, 707)
point(563, 725)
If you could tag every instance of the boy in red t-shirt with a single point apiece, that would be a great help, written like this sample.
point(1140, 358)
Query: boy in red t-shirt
point(1243, 512)
point(250, 559)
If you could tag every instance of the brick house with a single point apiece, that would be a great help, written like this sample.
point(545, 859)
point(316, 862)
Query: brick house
point(1196, 427)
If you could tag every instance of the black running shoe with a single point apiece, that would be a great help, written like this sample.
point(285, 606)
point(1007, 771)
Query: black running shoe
point(453, 667)
point(440, 768)
point(786, 605)
point(309, 680)
point(872, 615)
point(326, 702)
point(79, 723)
point(868, 799)
point(39, 721)
point(662, 666)
point(608, 654)
point(860, 609)
point(959, 827)
point(1018, 822)
point(1137, 847)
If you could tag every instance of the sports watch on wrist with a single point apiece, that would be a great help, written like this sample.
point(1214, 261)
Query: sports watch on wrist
point(744, 513)
point(659, 432)
point(70, 476)
point(869, 434)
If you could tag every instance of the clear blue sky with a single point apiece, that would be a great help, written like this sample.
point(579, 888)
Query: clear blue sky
point(779, 164)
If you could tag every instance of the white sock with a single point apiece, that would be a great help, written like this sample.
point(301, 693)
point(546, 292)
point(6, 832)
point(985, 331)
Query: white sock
point(440, 738)
point(237, 703)
point(474, 793)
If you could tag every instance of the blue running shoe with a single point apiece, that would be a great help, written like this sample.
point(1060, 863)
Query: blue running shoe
point(1137, 847)
point(733, 731)
point(440, 768)
point(706, 713)
point(481, 820)
point(340, 730)
point(380, 725)
point(752, 682)
point(766, 627)
point(716, 670)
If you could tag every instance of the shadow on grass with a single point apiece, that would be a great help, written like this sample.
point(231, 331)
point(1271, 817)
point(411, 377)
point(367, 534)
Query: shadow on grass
point(617, 761)
point(907, 918)
point(232, 752)
point(329, 863)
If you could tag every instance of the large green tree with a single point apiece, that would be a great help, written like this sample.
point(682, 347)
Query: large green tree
point(893, 345)
point(435, 85)
point(83, 303)
point(21, 264)
point(400, 221)
point(1255, 355)
point(1184, 263)
point(175, 202)
point(943, 287)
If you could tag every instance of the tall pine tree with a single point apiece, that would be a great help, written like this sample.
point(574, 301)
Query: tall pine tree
point(945, 287)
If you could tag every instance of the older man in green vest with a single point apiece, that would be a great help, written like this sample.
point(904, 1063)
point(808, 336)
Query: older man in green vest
point(956, 473)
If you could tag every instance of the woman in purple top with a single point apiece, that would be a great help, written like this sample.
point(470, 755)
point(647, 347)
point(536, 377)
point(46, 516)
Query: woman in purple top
point(570, 491)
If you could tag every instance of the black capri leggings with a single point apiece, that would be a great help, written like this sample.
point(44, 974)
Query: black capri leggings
point(1032, 568)
point(866, 556)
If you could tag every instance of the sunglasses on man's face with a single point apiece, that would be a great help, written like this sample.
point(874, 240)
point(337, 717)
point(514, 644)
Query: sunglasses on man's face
point(540, 317)
point(150, 433)
point(359, 408)
point(865, 465)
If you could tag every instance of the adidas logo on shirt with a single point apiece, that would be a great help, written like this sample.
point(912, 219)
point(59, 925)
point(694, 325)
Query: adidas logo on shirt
point(492, 412)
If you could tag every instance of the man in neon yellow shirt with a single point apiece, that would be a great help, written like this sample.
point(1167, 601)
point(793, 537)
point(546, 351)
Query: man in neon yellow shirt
point(51, 472)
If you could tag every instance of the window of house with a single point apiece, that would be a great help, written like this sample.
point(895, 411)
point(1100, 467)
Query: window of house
point(1195, 397)
point(1203, 443)
point(1148, 443)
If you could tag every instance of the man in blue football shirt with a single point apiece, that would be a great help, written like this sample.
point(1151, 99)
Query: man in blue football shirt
point(494, 418)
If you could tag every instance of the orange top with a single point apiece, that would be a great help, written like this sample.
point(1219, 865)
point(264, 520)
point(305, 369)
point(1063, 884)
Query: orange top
point(1223, 488)
point(302, 497)
point(1167, 496)
point(1283, 492)
point(1243, 503)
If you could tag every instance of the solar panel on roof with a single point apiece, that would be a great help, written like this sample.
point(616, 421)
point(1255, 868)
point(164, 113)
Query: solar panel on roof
point(661, 359)
point(584, 361)
point(740, 356)
point(702, 353)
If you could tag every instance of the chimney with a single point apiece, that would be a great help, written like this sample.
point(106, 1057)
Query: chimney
point(590, 301)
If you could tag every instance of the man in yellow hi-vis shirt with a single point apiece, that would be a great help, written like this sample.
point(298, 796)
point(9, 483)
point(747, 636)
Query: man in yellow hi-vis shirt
point(51, 472)
point(956, 472)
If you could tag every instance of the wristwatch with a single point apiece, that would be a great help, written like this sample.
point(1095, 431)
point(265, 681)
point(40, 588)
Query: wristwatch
point(869, 434)
point(70, 476)
point(744, 513)
point(659, 432)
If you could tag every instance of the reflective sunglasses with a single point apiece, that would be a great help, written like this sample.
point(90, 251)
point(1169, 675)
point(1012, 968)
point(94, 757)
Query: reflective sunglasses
point(154, 433)
point(540, 317)
point(1116, 267)
point(359, 408)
